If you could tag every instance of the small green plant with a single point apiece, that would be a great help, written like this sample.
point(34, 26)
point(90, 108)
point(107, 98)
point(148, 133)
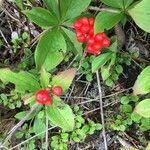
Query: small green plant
point(82, 129)
point(20, 43)
point(128, 116)
point(11, 100)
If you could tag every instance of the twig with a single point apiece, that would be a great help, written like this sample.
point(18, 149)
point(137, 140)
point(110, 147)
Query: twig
point(101, 109)
point(31, 138)
point(10, 133)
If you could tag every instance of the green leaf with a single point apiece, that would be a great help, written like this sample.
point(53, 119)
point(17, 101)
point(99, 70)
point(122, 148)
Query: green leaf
point(41, 17)
point(21, 115)
point(141, 14)
point(24, 81)
point(72, 8)
point(44, 78)
point(136, 117)
point(143, 108)
point(64, 79)
point(127, 108)
point(100, 60)
point(60, 114)
point(19, 3)
point(73, 39)
point(19, 135)
point(124, 100)
point(148, 146)
point(50, 49)
point(142, 84)
point(107, 20)
point(39, 126)
point(117, 3)
point(52, 6)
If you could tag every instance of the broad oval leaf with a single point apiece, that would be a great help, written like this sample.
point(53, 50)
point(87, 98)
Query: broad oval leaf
point(44, 78)
point(52, 6)
point(24, 80)
point(41, 17)
point(72, 8)
point(107, 20)
point(141, 14)
point(60, 114)
point(100, 60)
point(142, 84)
point(39, 126)
point(50, 49)
point(64, 79)
point(143, 108)
point(117, 3)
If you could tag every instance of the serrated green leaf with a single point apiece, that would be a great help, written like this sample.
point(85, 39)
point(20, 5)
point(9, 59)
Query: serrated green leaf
point(140, 14)
point(50, 49)
point(142, 84)
point(100, 60)
point(117, 3)
point(64, 79)
point(107, 20)
point(41, 17)
point(52, 6)
point(60, 114)
point(72, 8)
point(73, 39)
point(24, 80)
point(143, 108)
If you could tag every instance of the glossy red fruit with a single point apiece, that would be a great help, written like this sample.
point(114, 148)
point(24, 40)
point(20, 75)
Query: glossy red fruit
point(90, 40)
point(99, 37)
point(91, 21)
point(57, 90)
point(77, 24)
point(84, 21)
point(43, 97)
point(106, 43)
point(97, 46)
point(91, 31)
point(79, 33)
point(81, 39)
point(85, 29)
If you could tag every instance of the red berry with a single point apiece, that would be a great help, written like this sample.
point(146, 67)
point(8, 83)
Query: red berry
point(90, 49)
point(42, 97)
point(91, 32)
point(97, 46)
point(85, 29)
point(105, 43)
point(81, 39)
point(77, 24)
point(79, 33)
point(90, 40)
point(57, 90)
point(84, 21)
point(99, 37)
point(49, 102)
point(91, 21)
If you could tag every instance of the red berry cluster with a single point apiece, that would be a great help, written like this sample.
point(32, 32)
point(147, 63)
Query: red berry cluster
point(85, 33)
point(43, 96)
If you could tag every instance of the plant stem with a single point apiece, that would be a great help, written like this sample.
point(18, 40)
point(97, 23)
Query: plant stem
point(101, 110)
point(104, 9)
